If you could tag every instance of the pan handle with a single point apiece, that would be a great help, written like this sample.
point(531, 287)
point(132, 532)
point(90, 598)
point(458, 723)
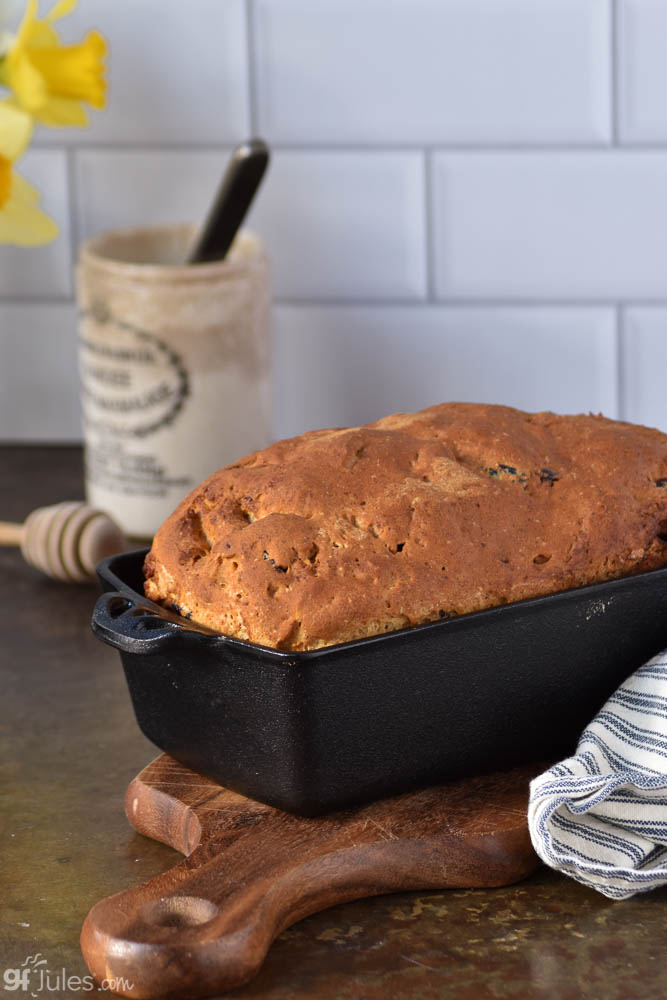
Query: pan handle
point(132, 626)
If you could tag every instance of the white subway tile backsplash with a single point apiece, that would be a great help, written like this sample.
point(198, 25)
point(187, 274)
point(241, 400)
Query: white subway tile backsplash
point(133, 188)
point(177, 72)
point(434, 70)
point(530, 225)
point(352, 364)
point(44, 270)
point(345, 225)
point(39, 388)
point(342, 225)
point(454, 165)
point(642, 29)
point(644, 366)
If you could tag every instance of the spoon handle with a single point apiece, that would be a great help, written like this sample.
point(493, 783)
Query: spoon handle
point(238, 187)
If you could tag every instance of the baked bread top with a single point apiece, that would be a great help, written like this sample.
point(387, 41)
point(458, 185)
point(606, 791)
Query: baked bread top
point(340, 534)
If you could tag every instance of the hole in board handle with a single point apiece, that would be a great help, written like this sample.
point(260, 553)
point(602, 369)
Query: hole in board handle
point(179, 911)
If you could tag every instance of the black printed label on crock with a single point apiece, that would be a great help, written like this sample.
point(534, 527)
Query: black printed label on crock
point(111, 467)
point(132, 383)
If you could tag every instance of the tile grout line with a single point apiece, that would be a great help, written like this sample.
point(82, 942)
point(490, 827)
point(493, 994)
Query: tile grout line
point(323, 302)
point(379, 148)
point(614, 67)
point(470, 303)
point(70, 159)
point(429, 234)
point(252, 65)
point(620, 362)
point(40, 302)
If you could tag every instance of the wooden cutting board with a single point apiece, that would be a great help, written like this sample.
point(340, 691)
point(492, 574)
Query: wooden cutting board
point(251, 870)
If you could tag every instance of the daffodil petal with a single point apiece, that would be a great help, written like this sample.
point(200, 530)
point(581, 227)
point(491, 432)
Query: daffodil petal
point(51, 80)
point(61, 9)
point(15, 129)
point(27, 23)
point(5, 179)
point(23, 192)
point(57, 112)
point(28, 85)
point(22, 222)
point(42, 36)
point(74, 71)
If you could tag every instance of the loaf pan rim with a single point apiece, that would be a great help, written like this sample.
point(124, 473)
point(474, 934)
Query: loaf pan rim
point(111, 580)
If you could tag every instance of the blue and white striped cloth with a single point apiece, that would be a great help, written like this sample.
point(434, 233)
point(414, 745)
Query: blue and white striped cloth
point(601, 815)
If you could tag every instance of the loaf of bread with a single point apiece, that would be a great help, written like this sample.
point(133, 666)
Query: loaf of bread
point(340, 534)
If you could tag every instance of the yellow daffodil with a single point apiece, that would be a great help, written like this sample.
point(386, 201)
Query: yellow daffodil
point(21, 220)
point(50, 80)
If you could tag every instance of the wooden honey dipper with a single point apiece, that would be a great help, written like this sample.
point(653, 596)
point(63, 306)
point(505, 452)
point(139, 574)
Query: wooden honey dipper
point(65, 541)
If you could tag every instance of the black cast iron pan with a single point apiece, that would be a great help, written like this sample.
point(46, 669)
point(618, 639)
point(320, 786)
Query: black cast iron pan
point(332, 727)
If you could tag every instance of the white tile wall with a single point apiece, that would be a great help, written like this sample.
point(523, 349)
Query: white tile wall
point(178, 72)
point(354, 364)
point(644, 358)
point(39, 398)
point(370, 205)
point(642, 70)
point(550, 225)
point(434, 70)
point(467, 197)
point(348, 225)
point(117, 188)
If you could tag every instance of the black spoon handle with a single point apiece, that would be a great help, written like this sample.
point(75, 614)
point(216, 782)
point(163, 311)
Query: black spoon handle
point(238, 187)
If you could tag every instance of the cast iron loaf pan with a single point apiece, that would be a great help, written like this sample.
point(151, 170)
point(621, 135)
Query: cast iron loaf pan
point(318, 730)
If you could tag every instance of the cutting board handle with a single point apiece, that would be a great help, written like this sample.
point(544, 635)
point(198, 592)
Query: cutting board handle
point(205, 926)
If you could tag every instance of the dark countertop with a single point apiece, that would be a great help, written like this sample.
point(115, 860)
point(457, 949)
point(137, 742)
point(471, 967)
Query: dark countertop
point(69, 745)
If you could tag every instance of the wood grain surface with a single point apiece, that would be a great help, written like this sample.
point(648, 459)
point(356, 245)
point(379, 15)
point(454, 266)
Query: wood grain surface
point(251, 871)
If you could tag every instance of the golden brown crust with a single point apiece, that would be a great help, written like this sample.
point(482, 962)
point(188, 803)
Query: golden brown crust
point(346, 533)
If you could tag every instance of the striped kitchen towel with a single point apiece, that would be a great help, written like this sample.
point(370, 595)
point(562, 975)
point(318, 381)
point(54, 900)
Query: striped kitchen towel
point(601, 815)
